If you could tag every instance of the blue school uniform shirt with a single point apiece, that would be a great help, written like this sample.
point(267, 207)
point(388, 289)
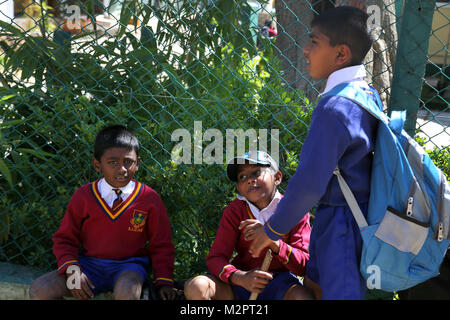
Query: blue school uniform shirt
point(341, 134)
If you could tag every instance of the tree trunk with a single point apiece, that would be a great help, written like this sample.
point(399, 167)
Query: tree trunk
point(293, 24)
point(380, 59)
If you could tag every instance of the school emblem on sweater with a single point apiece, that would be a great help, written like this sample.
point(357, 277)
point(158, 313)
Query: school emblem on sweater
point(138, 221)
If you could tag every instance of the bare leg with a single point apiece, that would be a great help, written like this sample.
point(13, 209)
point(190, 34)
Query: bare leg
point(298, 292)
point(49, 286)
point(314, 287)
point(128, 286)
point(207, 287)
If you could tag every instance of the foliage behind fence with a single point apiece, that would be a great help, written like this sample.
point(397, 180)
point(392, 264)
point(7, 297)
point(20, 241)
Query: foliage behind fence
point(157, 67)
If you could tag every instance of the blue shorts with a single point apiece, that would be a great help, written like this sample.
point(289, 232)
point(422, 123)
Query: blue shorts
point(103, 273)
point(275, 289)
point(335, 252)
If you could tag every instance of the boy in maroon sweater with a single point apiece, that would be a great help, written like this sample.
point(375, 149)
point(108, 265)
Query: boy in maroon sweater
point(257, 176)
point(111, 219)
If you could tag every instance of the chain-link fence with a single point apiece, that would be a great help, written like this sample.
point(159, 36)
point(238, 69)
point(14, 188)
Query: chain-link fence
point(194, 80)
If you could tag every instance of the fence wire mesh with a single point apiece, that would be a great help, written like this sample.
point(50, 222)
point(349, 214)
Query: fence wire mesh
point(206, 72)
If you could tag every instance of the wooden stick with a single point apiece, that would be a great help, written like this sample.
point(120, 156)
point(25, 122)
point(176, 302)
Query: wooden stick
point(264, 267)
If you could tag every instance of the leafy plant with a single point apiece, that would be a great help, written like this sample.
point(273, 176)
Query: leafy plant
point(40, 16)
point(57, 94)
point(440, 156)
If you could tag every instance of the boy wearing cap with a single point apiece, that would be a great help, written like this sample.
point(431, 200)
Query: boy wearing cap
point(257, 176)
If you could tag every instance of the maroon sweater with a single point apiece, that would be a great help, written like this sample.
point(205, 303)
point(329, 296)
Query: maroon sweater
point(293, 254)
point(119, 234)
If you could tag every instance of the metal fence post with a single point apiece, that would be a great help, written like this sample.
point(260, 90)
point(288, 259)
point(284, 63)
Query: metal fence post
point(410, 62)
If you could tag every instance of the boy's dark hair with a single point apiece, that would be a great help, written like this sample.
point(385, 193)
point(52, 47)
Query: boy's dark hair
point(346, 25)
point(115, 136)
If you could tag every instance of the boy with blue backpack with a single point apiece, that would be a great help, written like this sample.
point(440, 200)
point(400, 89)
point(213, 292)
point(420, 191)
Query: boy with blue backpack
point(382, 219)
point(341, 134)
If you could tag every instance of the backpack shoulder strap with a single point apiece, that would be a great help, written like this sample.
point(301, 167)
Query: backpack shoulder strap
point(362, 97)
point(351, 200)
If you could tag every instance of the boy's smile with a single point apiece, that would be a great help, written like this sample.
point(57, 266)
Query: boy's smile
point(118, 166)
point(257, 184)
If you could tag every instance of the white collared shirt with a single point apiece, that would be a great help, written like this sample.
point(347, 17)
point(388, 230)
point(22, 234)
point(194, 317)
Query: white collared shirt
point(263, 215)
point(349, 74)
point(109, 195)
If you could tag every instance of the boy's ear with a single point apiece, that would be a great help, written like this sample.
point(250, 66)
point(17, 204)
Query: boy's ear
point(96, 164)
point(344, 56)
point(278, 177)
point(138, 162)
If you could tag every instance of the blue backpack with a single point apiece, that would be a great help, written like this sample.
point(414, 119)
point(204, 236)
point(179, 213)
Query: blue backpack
point(406, 233)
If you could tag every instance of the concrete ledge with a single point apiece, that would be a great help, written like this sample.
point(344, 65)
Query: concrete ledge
point(14, 291)
point(18, 291)
point(16, 280)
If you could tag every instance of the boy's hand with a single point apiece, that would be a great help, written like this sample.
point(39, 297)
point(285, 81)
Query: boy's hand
point(254, 231)
point(167, 293)
point(251, 228)
point(253, 280)
point(84, 292)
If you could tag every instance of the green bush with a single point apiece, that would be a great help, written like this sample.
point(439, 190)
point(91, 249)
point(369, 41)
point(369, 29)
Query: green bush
point(54, 100)
point(440, 156)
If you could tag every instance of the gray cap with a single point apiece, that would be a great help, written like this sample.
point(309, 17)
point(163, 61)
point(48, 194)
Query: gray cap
point(255, 157)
